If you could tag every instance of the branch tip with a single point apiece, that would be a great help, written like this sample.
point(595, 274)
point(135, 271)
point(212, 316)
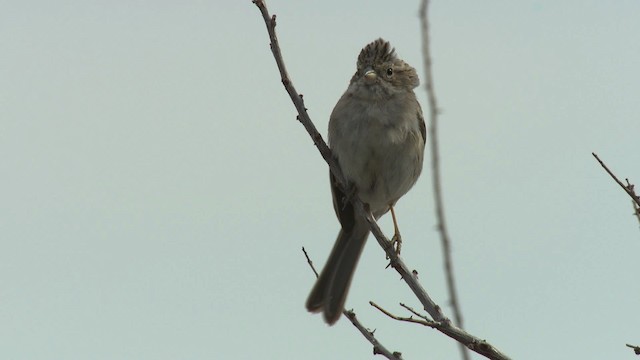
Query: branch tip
point(628, 188)
point(636, 349)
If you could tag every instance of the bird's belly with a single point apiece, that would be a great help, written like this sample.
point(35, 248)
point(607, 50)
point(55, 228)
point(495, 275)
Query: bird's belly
point(382, 173)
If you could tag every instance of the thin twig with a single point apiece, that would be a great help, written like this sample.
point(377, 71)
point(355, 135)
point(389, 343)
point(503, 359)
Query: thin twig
point(474, 344)
point(378, 348)
point(413, 311)
point(310, 262)
point(435, 171)
point(421, 321)
point(636, 349)
point(429, 306)
point(627, 189)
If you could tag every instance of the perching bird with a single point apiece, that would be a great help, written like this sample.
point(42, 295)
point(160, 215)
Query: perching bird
point(377, 133)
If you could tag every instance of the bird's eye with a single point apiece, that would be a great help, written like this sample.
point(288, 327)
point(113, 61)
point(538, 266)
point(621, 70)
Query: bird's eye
point(389, 71)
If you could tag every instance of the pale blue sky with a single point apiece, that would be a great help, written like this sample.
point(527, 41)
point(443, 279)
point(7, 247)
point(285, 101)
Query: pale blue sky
point(156, 188)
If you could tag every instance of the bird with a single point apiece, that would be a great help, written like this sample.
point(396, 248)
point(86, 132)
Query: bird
point(377, 135)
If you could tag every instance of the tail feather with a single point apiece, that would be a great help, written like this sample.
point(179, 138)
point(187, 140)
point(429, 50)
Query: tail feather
point(330, 290)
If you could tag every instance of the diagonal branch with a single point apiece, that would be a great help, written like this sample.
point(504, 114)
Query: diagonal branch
point(422, 321)
point(477, 345)
point(429, 306)
point(435, 171)
point(628, 189)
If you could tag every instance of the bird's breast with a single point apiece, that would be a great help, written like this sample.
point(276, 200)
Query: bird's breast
point(379, 152)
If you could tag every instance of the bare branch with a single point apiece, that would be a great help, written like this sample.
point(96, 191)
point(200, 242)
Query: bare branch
point(310, 262)
point(636, 349)
point(413, 311)
point(422, 321)
point(296, 98)
point(474, 344)
point(429, 306)
point(628, 189)
point(435, 171)
point(378, 348)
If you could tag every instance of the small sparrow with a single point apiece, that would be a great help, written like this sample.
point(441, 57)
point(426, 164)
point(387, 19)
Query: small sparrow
point(377, 134)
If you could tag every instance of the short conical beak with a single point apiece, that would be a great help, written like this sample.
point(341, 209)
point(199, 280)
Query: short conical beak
point(370, 76)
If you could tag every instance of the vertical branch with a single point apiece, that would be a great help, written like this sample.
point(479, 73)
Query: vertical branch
point(435, 170)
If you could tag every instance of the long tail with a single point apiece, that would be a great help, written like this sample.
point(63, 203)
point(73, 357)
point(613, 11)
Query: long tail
point(330, 291)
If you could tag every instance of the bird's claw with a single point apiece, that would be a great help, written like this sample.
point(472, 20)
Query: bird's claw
point(396, 242)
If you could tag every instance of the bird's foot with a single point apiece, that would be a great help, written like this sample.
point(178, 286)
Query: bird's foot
point(396, 242)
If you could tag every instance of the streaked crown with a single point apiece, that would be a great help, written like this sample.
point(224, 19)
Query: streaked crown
point(377, 52)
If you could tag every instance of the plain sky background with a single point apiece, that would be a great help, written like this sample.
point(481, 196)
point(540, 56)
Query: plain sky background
point(156, 189)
